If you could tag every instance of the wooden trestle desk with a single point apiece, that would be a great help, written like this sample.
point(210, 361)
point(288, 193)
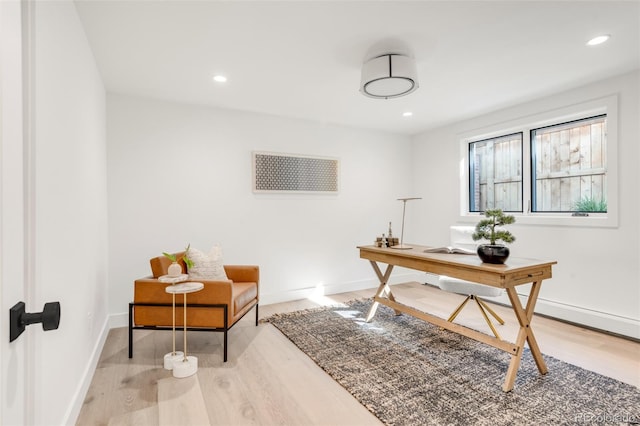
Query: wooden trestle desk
point(515, 272)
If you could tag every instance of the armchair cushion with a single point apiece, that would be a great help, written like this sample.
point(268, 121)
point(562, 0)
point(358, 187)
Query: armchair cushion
point(206, 266)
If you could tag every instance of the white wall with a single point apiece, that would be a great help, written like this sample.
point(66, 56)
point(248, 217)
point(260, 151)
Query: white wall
point(181, 175)
point(70, 211)
point(597, 279)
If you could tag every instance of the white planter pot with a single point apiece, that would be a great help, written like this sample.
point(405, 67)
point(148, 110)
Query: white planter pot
point(174, 269)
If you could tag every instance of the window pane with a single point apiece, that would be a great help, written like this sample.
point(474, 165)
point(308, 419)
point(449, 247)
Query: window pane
point(569, 166)
point(495, 174)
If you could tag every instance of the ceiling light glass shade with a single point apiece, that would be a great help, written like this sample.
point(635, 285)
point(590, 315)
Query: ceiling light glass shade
point(389, 76)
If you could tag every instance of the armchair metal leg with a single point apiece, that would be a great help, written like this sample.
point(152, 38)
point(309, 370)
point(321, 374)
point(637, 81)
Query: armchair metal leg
point(130, 330)
point(224, 350)
point(256, 314)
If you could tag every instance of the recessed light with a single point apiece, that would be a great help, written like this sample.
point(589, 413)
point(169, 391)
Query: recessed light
point(598, 40)
point(220, 78)
point(407, 114)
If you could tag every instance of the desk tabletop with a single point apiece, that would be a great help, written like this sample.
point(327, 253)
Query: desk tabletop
point(515, 271)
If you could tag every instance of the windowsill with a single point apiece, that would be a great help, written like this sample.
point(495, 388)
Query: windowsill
point(595, 220)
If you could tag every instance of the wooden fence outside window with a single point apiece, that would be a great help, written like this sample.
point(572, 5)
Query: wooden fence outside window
point(568, 163)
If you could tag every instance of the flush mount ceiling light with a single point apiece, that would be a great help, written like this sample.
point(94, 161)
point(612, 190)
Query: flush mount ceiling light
point(389, 76)
point(598, 40)
point(220, 78)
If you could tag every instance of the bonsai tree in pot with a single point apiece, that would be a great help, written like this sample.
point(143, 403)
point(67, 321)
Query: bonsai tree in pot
point(491, 229)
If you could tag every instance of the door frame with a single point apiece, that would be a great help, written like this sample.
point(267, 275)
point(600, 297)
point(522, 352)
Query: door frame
point(17, 205)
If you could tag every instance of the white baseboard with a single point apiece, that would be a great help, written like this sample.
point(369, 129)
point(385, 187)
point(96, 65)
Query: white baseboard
point(607, 322)
point(73, 411)
point(304, 293)
point(590, 318)
point(119, 320)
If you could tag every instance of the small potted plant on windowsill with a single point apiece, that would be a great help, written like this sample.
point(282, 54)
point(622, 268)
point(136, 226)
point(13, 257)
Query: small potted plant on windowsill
point(175, 268)
point(490, 229)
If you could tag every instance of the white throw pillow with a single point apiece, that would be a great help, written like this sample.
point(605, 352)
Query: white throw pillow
point(207, 266)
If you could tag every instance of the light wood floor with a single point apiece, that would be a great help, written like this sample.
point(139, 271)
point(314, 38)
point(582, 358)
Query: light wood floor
point(268, 381)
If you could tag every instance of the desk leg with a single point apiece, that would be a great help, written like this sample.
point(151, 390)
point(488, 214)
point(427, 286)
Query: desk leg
point(383, 289)
point(525, 333)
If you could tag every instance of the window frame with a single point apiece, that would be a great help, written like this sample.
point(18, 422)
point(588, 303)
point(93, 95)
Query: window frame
point(534, 176)
point(471, 180)
point(607, 105)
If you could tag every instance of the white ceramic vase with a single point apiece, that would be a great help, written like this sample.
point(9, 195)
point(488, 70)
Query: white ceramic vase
point(174, 269)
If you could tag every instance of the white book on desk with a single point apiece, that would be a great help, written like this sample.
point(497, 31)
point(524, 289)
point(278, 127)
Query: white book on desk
point(450, 250)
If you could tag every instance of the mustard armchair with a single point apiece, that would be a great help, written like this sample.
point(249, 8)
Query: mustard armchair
point(217, 307)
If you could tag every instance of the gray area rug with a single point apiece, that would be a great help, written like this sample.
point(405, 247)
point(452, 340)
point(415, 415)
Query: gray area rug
point(409, 372)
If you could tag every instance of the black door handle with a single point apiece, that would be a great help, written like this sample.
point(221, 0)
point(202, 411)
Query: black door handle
point(19, 319)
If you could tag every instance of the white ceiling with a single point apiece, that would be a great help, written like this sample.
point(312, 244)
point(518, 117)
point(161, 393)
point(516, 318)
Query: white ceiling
point(302, 59)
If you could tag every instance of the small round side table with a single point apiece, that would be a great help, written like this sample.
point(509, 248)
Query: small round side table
point(173, 355)
point(188, 365)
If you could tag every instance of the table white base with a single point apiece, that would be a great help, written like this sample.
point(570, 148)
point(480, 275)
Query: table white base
point(172, 357)
point(185, 367)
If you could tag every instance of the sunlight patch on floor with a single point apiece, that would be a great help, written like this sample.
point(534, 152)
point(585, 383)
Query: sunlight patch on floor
point(318, 297)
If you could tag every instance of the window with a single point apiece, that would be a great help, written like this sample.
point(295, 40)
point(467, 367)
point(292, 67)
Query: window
point(569, 166)
point(556, 168)
point(495, 174)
